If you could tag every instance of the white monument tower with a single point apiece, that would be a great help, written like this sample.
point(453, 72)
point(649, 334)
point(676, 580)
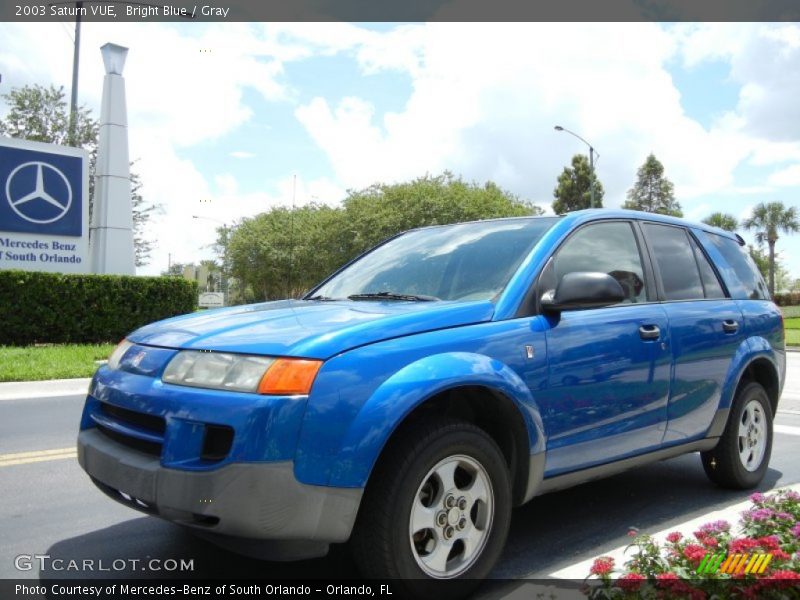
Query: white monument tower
point(112, 217)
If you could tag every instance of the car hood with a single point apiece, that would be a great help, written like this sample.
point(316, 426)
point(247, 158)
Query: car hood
point(312, 329)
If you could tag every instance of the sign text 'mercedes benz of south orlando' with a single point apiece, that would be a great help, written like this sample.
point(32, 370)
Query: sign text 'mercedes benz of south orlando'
point(44, 207)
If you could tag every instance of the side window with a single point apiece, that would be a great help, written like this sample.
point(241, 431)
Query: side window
point(710, 281)
point(608, 248)
point(675, 261)
point(746, 271)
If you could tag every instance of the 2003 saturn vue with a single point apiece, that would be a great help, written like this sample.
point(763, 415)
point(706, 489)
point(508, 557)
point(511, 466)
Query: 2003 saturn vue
point(408, 402)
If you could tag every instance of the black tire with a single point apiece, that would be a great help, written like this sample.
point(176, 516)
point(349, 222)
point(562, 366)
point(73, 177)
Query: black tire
point(407, 478)
point(725, 464)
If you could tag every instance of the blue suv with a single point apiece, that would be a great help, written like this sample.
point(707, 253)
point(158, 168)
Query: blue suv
point(409, 401)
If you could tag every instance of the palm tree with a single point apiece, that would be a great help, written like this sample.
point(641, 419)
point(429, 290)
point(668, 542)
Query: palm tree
point(722, 220)
point(767, 219)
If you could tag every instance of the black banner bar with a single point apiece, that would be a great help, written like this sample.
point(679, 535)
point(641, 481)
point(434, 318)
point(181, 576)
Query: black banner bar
point(405, 10)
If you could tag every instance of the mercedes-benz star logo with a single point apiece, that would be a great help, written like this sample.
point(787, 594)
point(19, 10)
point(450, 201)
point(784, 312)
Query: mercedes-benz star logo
point(24, 205)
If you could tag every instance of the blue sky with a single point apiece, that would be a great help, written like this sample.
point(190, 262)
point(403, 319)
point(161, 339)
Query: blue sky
point(230, 119)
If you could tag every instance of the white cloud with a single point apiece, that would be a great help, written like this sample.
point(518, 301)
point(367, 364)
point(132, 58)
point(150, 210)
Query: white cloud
point(242, 154)
point(486, 96)
point(790, 176)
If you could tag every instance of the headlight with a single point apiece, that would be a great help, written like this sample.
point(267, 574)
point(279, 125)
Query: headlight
point(241, 373)
point(118, 353)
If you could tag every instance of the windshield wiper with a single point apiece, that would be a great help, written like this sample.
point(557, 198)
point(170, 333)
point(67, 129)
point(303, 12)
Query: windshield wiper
point(392, 296)
point(321, 298)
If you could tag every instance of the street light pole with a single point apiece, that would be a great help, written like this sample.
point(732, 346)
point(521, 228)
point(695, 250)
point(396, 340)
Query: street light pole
point(76, 51)
point(591, 161)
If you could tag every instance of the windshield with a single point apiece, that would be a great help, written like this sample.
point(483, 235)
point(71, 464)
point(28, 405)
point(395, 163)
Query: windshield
point(469, 261)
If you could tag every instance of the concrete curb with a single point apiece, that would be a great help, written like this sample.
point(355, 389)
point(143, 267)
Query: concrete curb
point(21, 390)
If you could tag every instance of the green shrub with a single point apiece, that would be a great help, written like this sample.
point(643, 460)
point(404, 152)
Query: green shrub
point(787, 299)
point(57, 308)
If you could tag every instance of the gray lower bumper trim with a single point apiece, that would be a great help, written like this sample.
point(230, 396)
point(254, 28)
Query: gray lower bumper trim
point(247, 500)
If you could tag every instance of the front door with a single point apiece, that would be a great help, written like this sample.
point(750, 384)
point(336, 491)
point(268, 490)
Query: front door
point(608, 368)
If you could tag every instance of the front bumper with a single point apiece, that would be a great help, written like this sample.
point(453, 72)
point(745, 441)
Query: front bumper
point(251, 501)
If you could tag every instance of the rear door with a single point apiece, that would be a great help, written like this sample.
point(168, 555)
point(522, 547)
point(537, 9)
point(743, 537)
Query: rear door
point(608, 368)
point(706, 328)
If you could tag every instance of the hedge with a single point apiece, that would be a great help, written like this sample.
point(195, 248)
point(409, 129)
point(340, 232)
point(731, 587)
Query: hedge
point(57, 308)
point(787, 299)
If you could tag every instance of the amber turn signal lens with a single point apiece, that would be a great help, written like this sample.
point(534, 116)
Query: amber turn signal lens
point(289, 376)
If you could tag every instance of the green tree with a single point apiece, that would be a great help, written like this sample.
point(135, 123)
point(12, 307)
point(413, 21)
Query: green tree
point(142, 212)
point(653, 192)
point(285, 252)
point(767, 219)
point(760, 258)
point(41, 114)
point(382, 210)
point(176, 269)
point(573, 191)
point(722, 220)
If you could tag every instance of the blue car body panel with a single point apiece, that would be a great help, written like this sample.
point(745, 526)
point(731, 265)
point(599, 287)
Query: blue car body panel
point(608, 389)
point(587, 387)
point(307, 329)
point(701, 355)
point(360, 397)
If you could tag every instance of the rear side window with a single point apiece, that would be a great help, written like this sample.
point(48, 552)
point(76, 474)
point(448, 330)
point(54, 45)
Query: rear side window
point(676, 262)
point(746, 271)
point(711, 283)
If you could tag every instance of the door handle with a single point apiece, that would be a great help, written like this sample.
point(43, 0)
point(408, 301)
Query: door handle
point(649, 332)
point(730, 326)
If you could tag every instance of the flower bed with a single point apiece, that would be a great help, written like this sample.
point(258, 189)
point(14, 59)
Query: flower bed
point(685, 567)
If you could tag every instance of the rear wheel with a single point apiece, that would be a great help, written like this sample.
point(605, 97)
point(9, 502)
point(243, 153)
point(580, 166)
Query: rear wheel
point(741, 458)
point(436, 512)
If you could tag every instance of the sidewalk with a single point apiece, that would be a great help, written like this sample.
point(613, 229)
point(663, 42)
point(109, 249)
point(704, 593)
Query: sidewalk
point(43, 389)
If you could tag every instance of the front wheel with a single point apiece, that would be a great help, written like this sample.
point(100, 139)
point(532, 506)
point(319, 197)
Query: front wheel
point(740, 459)
point(436, 512)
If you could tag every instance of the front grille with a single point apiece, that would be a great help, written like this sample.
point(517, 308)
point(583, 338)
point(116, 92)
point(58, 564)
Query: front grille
point(131, 442)
point(131, 417)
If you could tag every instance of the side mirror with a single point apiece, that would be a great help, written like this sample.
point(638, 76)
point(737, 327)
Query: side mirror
point(583, 289)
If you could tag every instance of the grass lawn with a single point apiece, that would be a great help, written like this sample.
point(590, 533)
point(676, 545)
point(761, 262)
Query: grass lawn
point(793, 337)
point(34, 363)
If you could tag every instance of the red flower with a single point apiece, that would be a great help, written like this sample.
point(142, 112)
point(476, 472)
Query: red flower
point(631, 582)
point(674, 537)
point(602, 566)
point(670, 581)
point(695, 553)
point(743, 545)
point(791, 575)
point(780, 580)
point(769, 542)
point(778, 554)
point(710, 542)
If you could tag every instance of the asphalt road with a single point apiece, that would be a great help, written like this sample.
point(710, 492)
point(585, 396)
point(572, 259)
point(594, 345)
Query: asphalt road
point(50, 507)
